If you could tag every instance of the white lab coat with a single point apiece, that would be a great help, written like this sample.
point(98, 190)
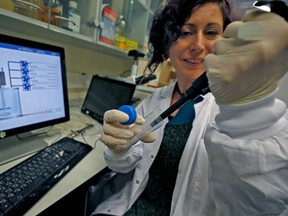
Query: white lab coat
point(247, 148)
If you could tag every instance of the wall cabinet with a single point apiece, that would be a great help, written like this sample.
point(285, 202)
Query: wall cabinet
point(110, 26)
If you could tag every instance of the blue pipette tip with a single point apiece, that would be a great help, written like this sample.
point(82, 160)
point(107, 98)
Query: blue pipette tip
point(131, 112)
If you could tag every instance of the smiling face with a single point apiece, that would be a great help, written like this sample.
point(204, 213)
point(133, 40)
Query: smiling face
point(198, 35)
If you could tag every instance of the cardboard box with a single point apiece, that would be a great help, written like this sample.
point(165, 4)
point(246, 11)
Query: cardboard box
point(167, 74)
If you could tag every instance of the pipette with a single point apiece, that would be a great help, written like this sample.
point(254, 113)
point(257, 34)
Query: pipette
point(200, 87)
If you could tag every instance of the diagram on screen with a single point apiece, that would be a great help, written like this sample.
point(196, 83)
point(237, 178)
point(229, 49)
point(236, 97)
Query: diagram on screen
point(19, 83)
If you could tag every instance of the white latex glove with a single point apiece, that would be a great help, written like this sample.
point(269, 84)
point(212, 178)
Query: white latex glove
point(116, 136)
point(250, 59)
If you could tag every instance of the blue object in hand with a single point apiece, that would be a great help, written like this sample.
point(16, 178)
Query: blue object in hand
point(131, 112)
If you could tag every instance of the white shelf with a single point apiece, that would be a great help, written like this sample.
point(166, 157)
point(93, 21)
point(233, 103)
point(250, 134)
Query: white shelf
point(25, 25)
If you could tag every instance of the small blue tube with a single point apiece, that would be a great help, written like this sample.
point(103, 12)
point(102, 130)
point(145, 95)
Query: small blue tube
point(131, 112)
point(152, 122)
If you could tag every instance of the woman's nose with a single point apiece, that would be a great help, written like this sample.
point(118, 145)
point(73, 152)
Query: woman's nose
point(197, 44)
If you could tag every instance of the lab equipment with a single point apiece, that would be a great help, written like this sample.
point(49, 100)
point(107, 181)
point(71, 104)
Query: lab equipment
point(154, 120)
point(106, 93)
point(145, 79)
point(24, 184)
point(73, 19)
point(33, 94)
point(135, 54)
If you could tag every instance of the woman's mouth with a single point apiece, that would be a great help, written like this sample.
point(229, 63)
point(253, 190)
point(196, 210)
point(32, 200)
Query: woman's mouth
point(194, 61)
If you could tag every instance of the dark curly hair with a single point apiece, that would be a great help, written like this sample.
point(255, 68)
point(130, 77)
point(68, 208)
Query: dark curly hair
point(167, 23)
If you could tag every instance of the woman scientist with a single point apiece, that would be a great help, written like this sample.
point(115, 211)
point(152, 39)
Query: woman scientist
point(225, 153)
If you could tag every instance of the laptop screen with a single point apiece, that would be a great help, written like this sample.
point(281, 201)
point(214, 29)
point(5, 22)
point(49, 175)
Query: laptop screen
point(106, 93)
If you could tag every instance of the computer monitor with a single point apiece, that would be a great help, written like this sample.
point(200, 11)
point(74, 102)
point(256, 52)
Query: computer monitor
point(33, 94)
point(106, 93)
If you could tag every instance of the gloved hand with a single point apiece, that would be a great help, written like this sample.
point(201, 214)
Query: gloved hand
point(116, 136)
point(250, 59)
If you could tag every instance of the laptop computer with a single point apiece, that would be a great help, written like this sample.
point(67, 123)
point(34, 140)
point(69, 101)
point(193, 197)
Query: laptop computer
point(105, 93)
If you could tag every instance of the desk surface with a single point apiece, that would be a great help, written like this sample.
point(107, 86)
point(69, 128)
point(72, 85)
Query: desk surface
point(88, 167)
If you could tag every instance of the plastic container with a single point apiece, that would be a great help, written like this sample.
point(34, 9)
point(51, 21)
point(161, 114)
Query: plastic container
point(30, 8)
point(73, 18)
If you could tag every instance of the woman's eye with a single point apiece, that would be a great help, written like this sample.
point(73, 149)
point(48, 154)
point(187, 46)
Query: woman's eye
point(185, 33)
point(212, 33)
